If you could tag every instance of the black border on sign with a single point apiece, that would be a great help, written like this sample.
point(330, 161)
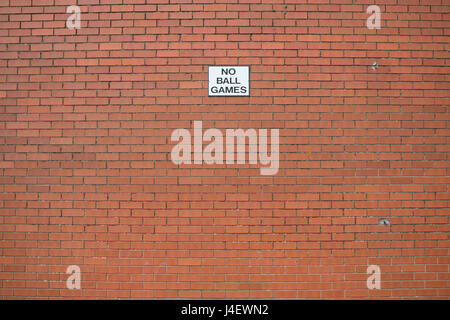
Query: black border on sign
point(249, 81)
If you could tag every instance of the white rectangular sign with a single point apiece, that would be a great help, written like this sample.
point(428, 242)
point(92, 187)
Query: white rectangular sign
point(229, 81)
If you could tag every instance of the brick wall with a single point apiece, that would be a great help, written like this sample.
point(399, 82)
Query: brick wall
point(85, 139)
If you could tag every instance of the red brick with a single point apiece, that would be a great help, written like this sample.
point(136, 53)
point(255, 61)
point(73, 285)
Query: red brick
point(85, 140)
